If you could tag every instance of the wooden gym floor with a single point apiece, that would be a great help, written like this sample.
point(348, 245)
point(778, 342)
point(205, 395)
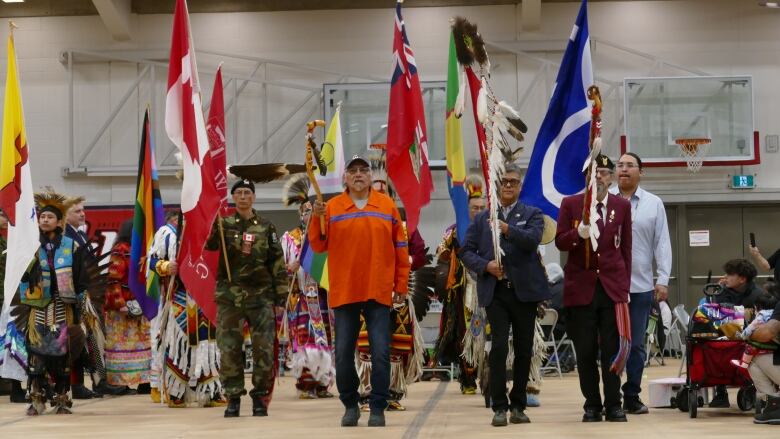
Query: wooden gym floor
point(434, 410)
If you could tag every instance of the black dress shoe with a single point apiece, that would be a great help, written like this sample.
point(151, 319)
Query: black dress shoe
point(233, 408)
point(616, 414)
point(144, 389)
point(591, 415)
point(635, 407)
point(81, 392)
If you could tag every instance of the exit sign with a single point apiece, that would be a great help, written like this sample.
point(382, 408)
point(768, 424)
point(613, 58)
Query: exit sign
point(742, 182)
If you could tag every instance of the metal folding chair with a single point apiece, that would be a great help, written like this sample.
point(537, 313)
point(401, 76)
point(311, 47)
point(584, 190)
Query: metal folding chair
point(554, 361)
point(680, 326)
point(430, 332)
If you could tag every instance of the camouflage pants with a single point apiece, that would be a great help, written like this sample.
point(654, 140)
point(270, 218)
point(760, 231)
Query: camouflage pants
point(230, 340)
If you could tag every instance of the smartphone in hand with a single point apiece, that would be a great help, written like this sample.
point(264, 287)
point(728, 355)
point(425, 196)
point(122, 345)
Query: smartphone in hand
point(752, 239)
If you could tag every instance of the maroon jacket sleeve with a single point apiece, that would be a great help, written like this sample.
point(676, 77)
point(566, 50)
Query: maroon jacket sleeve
point(566, 235)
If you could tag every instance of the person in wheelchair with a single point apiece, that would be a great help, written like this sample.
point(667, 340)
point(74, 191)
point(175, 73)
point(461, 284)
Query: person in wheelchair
point(765, 369)
point(738, 289)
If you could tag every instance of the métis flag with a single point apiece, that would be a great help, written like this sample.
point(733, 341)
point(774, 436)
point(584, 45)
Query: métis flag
point(555, 169)
point(453, 140)
point(196, 276)
point(185, 126)
point(407, 147)
point(148, 216)
point(16, 200)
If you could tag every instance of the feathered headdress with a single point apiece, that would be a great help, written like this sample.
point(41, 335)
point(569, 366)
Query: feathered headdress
point(475, 186)
point(296, 190)
point(51, 201)
point(377, 158)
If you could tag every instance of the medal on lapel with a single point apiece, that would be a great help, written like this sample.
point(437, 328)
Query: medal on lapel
point(246, 243)
point(612, 215)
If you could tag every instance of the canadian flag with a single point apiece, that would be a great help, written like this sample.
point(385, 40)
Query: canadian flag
point(185, 126)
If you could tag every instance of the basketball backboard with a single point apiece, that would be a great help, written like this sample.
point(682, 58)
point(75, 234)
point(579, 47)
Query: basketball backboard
point(659, 112)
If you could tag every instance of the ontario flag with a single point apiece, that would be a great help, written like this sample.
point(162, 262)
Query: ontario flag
point(16, 200)
point(407, 147)
point(192, 274)
point(184, 123)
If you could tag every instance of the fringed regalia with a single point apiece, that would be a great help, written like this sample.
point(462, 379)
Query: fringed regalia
point(128, 343)
point(406, 354)
point(187, 356)
point(310, 337)
point(53, 309)
point(457, 312)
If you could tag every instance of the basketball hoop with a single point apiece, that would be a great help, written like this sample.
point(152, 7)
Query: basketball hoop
point(693, 151)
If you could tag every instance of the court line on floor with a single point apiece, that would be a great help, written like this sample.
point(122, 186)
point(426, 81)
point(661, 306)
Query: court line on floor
point(413, 431)
point(48, 411)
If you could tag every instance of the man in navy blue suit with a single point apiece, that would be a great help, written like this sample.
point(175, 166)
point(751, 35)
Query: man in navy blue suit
point(510, 291)
point(74, 219)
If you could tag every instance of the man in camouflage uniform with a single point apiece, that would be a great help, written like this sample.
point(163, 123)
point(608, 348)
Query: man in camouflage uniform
point(249, 287)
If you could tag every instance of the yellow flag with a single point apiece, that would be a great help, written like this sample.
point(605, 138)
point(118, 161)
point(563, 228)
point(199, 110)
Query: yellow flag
point(16, 199)
point(14, 148)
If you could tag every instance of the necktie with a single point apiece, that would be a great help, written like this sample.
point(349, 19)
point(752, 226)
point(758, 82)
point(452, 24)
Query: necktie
point(600, 222)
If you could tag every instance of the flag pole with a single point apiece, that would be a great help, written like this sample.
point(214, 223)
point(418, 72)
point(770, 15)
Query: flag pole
point(224, 248)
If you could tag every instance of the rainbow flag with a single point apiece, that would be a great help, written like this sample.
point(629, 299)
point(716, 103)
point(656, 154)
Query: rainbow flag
point(148, 217)
point(315, 264)
point(453, 146)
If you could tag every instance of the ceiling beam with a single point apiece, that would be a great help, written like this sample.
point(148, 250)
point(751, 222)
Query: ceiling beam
point(116, 17)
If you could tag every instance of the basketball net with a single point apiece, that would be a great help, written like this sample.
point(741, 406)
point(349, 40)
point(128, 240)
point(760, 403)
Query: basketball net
point(693, 151)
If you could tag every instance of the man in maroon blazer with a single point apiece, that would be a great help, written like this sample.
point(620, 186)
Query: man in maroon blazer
point(594, 281)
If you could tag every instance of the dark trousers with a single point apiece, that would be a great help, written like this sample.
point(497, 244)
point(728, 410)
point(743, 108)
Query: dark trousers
point(347, 320)
point(593, 327)
point(506, 310)
point(639, 310)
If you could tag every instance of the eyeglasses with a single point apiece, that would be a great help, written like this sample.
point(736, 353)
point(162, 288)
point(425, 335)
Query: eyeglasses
point(627, 165)
point(356, 170)
point(604, 172)
point(510, 182)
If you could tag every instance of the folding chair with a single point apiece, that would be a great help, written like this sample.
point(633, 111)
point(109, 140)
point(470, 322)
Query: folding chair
point(680, 326)
point(430, 334)
point(553, 362)
point(652, 349)
point(565, 344)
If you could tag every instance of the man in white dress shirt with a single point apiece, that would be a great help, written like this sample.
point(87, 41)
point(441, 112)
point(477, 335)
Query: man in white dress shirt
point(650, 242)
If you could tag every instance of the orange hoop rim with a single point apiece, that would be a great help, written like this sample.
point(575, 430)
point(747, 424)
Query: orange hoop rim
point(691, 145)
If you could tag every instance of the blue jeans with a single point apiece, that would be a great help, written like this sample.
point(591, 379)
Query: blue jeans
point(639, 310)
point(347, 321)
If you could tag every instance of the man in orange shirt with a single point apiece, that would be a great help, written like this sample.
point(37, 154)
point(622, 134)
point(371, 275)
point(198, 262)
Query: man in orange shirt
point(368, 270)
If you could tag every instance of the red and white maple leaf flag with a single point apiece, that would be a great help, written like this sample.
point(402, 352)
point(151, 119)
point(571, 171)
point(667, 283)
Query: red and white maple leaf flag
point(185, 126)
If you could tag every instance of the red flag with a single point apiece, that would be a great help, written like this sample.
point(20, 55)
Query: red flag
point(215, 128)
point(407, 142)
point(195, 276)
point(200, 200)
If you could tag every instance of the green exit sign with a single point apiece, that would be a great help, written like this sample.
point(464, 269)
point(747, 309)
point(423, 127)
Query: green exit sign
point(742, 182)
